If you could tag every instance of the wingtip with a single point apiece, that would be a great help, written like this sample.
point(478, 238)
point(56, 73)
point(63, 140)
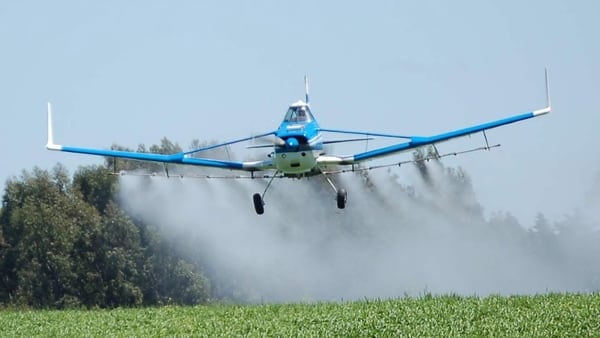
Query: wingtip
point(548, 107)
point(50, 143)
point(547, 78)
point(542, 111)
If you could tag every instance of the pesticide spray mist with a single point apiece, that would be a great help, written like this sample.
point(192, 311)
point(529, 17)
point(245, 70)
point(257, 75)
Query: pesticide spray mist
point(403, 232)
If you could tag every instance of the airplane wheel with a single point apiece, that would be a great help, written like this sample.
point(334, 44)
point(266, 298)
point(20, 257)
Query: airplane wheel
point(342, 196)
point(259, 206)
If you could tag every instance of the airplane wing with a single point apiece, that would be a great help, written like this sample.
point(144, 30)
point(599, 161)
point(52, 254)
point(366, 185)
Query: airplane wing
point(419, 141)
point(178, 158)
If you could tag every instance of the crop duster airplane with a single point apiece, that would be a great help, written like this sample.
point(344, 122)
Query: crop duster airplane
point(297, 148)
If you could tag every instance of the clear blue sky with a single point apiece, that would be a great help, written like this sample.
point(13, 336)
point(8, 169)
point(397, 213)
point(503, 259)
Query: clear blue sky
point(133, 72)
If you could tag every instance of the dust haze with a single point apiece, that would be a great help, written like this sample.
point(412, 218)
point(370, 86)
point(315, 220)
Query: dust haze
point(404, 232)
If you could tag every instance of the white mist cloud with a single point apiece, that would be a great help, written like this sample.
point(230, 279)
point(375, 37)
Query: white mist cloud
point(397, 236)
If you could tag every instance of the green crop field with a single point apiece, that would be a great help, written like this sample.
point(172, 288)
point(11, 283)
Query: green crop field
point(552, 315)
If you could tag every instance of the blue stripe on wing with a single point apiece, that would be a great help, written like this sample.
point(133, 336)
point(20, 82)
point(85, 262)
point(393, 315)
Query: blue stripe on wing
point(178, 158)
point(174, 158)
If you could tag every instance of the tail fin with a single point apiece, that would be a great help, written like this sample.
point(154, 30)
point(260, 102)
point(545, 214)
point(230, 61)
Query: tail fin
point(306, 88)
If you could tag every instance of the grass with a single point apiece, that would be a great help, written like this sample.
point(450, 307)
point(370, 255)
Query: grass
point(551, 315)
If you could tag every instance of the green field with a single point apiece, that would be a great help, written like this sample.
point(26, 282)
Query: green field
point(552, 315)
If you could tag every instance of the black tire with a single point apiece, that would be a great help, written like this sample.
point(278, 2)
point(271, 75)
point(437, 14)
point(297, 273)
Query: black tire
point(342, 197)
point(259, 206)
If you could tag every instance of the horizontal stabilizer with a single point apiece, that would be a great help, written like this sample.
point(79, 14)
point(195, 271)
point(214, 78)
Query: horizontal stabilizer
point(324, 142)
point(349, 140)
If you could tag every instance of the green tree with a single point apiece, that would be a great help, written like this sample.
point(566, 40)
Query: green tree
point(421, 156)
point(123, 252)
point(41, 222)
point(96, 185)
point(69, 244)
point(118, 165)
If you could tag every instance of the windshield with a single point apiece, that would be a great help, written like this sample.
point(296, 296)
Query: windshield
point(298, 114)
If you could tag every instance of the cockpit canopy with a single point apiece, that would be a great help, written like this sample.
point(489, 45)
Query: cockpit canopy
point(298, 114)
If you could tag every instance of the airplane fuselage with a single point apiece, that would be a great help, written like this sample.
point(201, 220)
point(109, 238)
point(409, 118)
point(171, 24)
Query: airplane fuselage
point(303, 142)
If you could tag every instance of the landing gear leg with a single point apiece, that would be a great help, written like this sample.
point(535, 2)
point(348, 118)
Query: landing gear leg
point(341, 194)
point(258, 199)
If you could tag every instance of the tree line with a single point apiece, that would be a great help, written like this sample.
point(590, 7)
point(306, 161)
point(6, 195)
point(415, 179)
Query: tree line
point(66, 242)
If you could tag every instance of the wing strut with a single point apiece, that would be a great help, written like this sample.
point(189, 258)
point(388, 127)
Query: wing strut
point(487, 144)
point(166, 170)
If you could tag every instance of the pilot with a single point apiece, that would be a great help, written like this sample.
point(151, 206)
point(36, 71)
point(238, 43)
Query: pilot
point(301, 114)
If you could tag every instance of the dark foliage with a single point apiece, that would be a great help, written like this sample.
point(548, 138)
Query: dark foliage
point(68, 244)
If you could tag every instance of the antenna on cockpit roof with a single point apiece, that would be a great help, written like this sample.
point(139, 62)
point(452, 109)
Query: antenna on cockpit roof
point(306, 88)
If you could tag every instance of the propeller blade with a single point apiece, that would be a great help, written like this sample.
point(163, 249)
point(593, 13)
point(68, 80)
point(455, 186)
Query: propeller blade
point(277, 142)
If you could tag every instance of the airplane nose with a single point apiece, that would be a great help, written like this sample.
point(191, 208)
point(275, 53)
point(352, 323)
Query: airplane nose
point(292, 143)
